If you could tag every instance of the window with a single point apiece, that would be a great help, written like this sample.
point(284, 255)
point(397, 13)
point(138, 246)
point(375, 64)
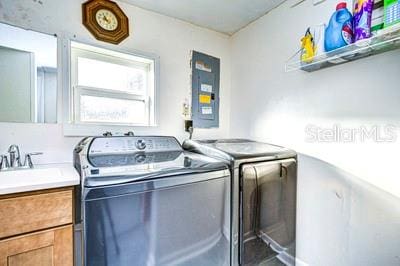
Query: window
point(111, 88)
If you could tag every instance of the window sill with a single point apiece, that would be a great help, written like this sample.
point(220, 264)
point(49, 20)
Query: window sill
point(85, 130)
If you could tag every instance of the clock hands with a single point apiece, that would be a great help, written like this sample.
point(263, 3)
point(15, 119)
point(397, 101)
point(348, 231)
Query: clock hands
point(106, 19)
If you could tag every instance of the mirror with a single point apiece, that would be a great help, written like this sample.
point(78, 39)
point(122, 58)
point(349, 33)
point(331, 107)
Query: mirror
point(28, 76)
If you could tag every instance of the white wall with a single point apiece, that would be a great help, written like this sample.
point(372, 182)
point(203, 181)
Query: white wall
point(169, 38)
point(347, 209)
point(342, 220)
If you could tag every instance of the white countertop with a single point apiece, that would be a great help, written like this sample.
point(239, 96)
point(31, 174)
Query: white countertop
point(41, 177)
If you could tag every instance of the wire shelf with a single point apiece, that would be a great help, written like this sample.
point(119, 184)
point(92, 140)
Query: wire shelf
point(385, 40)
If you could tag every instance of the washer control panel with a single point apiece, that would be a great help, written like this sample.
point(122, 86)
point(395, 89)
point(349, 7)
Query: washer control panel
point(120, 145)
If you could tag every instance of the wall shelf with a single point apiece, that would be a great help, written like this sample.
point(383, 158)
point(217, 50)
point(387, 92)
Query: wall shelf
point(385, 40)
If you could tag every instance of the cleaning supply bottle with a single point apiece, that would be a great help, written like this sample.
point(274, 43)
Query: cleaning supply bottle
point(362, 16)
point(339, 32)
point(308, 47)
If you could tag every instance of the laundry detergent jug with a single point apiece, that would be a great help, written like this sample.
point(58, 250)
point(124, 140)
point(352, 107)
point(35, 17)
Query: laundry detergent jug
point(339, 32)
point(362, 19)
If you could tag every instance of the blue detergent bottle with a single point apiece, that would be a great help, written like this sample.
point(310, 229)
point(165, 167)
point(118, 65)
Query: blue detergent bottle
point(339, 32)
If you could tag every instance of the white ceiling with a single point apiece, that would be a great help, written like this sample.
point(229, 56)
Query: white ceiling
point(226, 16)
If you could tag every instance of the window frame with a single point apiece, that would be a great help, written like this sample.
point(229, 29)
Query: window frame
point(72, 124)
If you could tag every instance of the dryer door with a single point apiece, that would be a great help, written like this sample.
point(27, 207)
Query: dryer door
point(268, 212)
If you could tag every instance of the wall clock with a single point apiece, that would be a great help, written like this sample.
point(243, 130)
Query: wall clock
point(105, 20)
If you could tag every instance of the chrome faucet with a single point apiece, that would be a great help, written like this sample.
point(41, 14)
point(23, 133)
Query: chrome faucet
point(4, 162)
point(13, 162)
point(15, 156)
point(28, 159)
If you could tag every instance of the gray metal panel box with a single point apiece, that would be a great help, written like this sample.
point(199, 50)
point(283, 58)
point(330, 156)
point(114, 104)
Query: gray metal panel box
point(205, 90)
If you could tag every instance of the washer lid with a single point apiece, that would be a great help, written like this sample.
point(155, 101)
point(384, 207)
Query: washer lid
point(239, 149)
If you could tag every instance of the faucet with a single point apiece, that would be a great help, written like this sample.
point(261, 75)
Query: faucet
point(14, 162)
point(28, 159)
point(15, 156)
point(4, 165)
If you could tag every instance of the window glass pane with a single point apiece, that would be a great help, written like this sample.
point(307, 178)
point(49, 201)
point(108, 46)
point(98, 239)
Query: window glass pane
point(110, 110)
point(100, 74)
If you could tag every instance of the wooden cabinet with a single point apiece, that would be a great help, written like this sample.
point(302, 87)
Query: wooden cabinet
point(44, 248)
point(36, 228)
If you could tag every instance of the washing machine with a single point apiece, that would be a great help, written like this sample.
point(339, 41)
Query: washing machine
point(264, 184)
point(146, 201)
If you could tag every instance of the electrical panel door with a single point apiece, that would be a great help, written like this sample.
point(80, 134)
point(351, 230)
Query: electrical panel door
point(205, 90)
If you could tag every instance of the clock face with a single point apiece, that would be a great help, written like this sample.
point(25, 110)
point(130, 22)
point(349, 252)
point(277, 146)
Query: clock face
point(106, 19)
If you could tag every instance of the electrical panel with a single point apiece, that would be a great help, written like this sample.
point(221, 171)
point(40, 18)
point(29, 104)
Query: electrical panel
point(205, 90)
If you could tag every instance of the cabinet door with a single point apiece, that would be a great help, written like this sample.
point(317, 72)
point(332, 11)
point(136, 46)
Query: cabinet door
point(45, 248)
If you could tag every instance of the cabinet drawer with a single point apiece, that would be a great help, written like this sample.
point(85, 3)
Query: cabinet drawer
point(22, 213)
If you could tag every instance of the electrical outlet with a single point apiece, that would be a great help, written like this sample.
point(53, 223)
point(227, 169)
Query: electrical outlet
point(186, 109)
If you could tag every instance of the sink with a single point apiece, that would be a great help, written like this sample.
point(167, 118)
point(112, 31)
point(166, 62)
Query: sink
point(25, 175)
point(42, 177)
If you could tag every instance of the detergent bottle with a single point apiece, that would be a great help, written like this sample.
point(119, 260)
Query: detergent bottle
point(339, 32)
point(362, 19)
